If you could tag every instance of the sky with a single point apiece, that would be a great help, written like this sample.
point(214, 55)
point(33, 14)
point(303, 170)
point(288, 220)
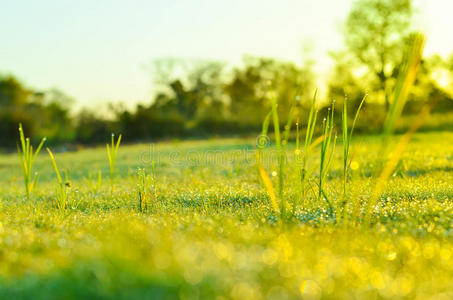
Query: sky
point(100, 51)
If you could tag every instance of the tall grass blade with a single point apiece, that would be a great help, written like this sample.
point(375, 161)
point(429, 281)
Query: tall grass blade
point(54, 164)
point(112, 152)
point(263, 139)
point(270, 189)
point(280, 151)
point(347, 138)
point(311, 124)
point(327, 150)
point(404, 83)
point(62, 196)
point(27, 158)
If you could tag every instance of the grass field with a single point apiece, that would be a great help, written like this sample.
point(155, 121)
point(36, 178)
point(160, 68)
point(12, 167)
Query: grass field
point(208, 230)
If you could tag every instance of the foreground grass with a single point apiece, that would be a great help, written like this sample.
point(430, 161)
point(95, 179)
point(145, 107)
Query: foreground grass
point(211, 232)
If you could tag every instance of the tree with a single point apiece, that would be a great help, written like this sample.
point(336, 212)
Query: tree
point(44, 113)
point(248, 89)
point(343, 82)
point(375, 33)
point(188, 87)
point(13, 100)
point(433, 83)
point(12, 93)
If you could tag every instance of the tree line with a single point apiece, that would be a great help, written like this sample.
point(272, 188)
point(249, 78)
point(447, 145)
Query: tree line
point(199, 98)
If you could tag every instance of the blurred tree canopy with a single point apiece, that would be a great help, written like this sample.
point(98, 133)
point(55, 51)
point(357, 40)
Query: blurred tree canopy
point(375, 33)
point(247, 99)
point(41, 113)
point(200, 98)
point(203, 97)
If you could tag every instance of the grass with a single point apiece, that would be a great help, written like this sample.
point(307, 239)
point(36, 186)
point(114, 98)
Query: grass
point(327, 150)
point(27, 158)
point(214, 233)
point(206, 225)
point(347, 138)
point(112, 152)
point(311, 124)
point(62, 189)
point(404, 83)
point(147, 190)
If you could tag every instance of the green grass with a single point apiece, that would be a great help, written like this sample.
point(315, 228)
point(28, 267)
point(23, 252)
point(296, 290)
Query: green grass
point(208, 224)
point(347, 138)
point(62, 188)
point(27, 158)
point(210, 229)
point(112, 152)
point(327, 151)
point(303, 169)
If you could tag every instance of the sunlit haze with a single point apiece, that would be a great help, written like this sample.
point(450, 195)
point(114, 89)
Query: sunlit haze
point(99, 51)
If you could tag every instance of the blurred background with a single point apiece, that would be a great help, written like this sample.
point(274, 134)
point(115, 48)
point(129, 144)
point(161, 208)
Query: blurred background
point(75, 71)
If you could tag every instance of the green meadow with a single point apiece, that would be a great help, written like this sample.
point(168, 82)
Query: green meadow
point(194, 220)
point(228, 182)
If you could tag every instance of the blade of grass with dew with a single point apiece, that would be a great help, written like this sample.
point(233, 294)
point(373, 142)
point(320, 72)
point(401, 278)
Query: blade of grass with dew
point(345, 144)
point(112, 152)
point(153, 178)
point(311, 123)
point(278, 146)
point(269, 188)
point(55, 167)
point(286, 134)
point(142, 194)
point(27, 158)
point(289, 123)
point(61, 192)
point(327, 151)
point(347, 138)
point(296, 159)
point(263, 139)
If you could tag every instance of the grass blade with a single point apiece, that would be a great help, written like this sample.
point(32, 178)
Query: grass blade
point(269, 188)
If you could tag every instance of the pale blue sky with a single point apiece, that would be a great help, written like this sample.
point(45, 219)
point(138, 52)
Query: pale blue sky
point(95, 50)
